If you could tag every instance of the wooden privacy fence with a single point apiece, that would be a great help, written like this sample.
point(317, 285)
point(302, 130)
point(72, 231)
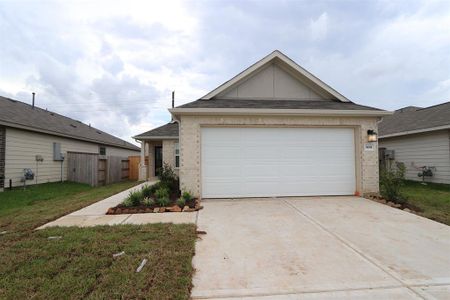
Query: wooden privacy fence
point(91, 169)
point(133, 163)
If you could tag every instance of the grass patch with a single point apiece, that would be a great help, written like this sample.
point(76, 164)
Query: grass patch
point(81, 263)
point(433, 199)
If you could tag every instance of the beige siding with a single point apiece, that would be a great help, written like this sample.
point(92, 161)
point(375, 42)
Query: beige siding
point(272, 82)
point(425, 149)
point(190, 144)
point(23, 146)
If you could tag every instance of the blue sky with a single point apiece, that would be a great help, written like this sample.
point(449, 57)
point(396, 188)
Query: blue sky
point(114, 63)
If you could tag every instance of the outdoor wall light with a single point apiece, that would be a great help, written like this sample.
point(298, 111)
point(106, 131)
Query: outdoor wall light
point(372, 136)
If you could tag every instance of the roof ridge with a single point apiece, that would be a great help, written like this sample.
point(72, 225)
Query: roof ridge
point(444, 103)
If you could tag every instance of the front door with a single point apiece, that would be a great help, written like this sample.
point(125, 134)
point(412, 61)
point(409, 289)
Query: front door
point(158, 159)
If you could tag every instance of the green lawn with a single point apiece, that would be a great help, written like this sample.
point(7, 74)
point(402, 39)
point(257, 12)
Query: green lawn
point(433, 199)
point(80, 264)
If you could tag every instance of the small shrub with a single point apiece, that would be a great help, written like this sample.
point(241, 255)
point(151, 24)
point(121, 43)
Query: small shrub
point(127, 202)
point(168, 178)
point(152, 189)
point(187, 196)
point(148, 202)
point(163, 201)
point(162, 192)
point(181, 202)
point(147, 191)
point(391, 180)
point(134, 198)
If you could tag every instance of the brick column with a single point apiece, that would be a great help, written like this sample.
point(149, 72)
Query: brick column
point(142, 166)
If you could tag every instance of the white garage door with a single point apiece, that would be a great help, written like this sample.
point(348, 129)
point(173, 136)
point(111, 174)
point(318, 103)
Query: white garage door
point(263, 162)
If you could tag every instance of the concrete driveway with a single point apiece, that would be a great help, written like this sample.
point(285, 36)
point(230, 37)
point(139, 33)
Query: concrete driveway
point(315, 248)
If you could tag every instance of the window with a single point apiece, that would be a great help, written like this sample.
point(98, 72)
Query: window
point(177, 155)
point(57, 155)
point(102, 150)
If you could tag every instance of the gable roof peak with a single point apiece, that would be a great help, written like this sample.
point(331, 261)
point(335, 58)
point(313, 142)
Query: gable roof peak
point(296, 68)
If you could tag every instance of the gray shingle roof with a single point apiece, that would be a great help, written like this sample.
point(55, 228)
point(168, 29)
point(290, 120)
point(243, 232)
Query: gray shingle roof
point(14, 113)
point(167, 130)
point(414, 118)
point(276, 104)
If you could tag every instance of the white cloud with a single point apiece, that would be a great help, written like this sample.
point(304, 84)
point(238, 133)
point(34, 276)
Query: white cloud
point(319, 27)
point(112, 63)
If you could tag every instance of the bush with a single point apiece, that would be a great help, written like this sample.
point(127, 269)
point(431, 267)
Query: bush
point(162, 192)
point(187, 196)
point(391, 180)
point(148, 202)
point(147, 191)
point(127, 202)
point(168, 178)
point(135, 198)
point(181, 202)
point(163, 201)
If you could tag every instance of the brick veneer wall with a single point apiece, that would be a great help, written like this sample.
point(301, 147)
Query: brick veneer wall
point(190, 143)
point(2, 156)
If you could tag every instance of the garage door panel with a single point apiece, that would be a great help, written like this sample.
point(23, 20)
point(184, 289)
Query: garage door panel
point(253, 162)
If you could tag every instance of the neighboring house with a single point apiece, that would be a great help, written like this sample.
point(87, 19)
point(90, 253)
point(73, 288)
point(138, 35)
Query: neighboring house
point(419, 137)
point(29, 133)
point(273, 130)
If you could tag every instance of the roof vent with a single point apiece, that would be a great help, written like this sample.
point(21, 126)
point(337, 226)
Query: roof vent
point(99, 132)
point(52, 114)
point(74, 126)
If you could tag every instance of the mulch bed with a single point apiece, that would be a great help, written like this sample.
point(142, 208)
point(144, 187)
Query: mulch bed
point(191, 205)
point(404, 206)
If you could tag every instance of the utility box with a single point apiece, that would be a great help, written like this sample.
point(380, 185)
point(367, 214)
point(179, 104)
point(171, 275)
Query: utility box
point(57, 155)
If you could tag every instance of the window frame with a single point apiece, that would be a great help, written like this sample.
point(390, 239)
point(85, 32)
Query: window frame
point(100, 150)
point(177, 155)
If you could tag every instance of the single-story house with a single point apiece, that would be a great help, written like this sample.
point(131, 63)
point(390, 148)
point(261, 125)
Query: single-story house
point(37, 139)
point(419, 137)
point(273, 130)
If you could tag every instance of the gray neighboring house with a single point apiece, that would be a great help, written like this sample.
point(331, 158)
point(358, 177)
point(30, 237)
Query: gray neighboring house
point(272, 130)
point(419, 137)
point(29, 134)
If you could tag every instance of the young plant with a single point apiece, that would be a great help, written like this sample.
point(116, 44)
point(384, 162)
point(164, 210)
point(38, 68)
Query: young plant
point(163, 201)
point(187, 196)
point(181, 202)
point(134, 198)
point(148, 201)
point(168, 178)
point(391, 181)
point(162, 192)
point(147, 191)
point(127, 202)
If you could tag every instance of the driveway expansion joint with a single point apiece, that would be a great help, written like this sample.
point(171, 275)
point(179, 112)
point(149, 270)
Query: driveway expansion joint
point(353, 248)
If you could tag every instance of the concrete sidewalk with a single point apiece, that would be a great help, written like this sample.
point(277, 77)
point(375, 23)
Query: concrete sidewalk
point(95, 214)
point(318, 248)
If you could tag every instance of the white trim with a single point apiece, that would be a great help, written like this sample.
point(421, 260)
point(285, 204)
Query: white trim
point(276, 55)
point(415, 131)
point(282, 112)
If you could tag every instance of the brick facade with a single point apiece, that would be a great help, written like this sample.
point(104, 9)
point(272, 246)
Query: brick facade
point(168, 153)
point(190, 143)
point(2, 156)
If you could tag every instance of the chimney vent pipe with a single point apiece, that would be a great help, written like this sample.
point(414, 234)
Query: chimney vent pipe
point(173, 99)
point(32, 104)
